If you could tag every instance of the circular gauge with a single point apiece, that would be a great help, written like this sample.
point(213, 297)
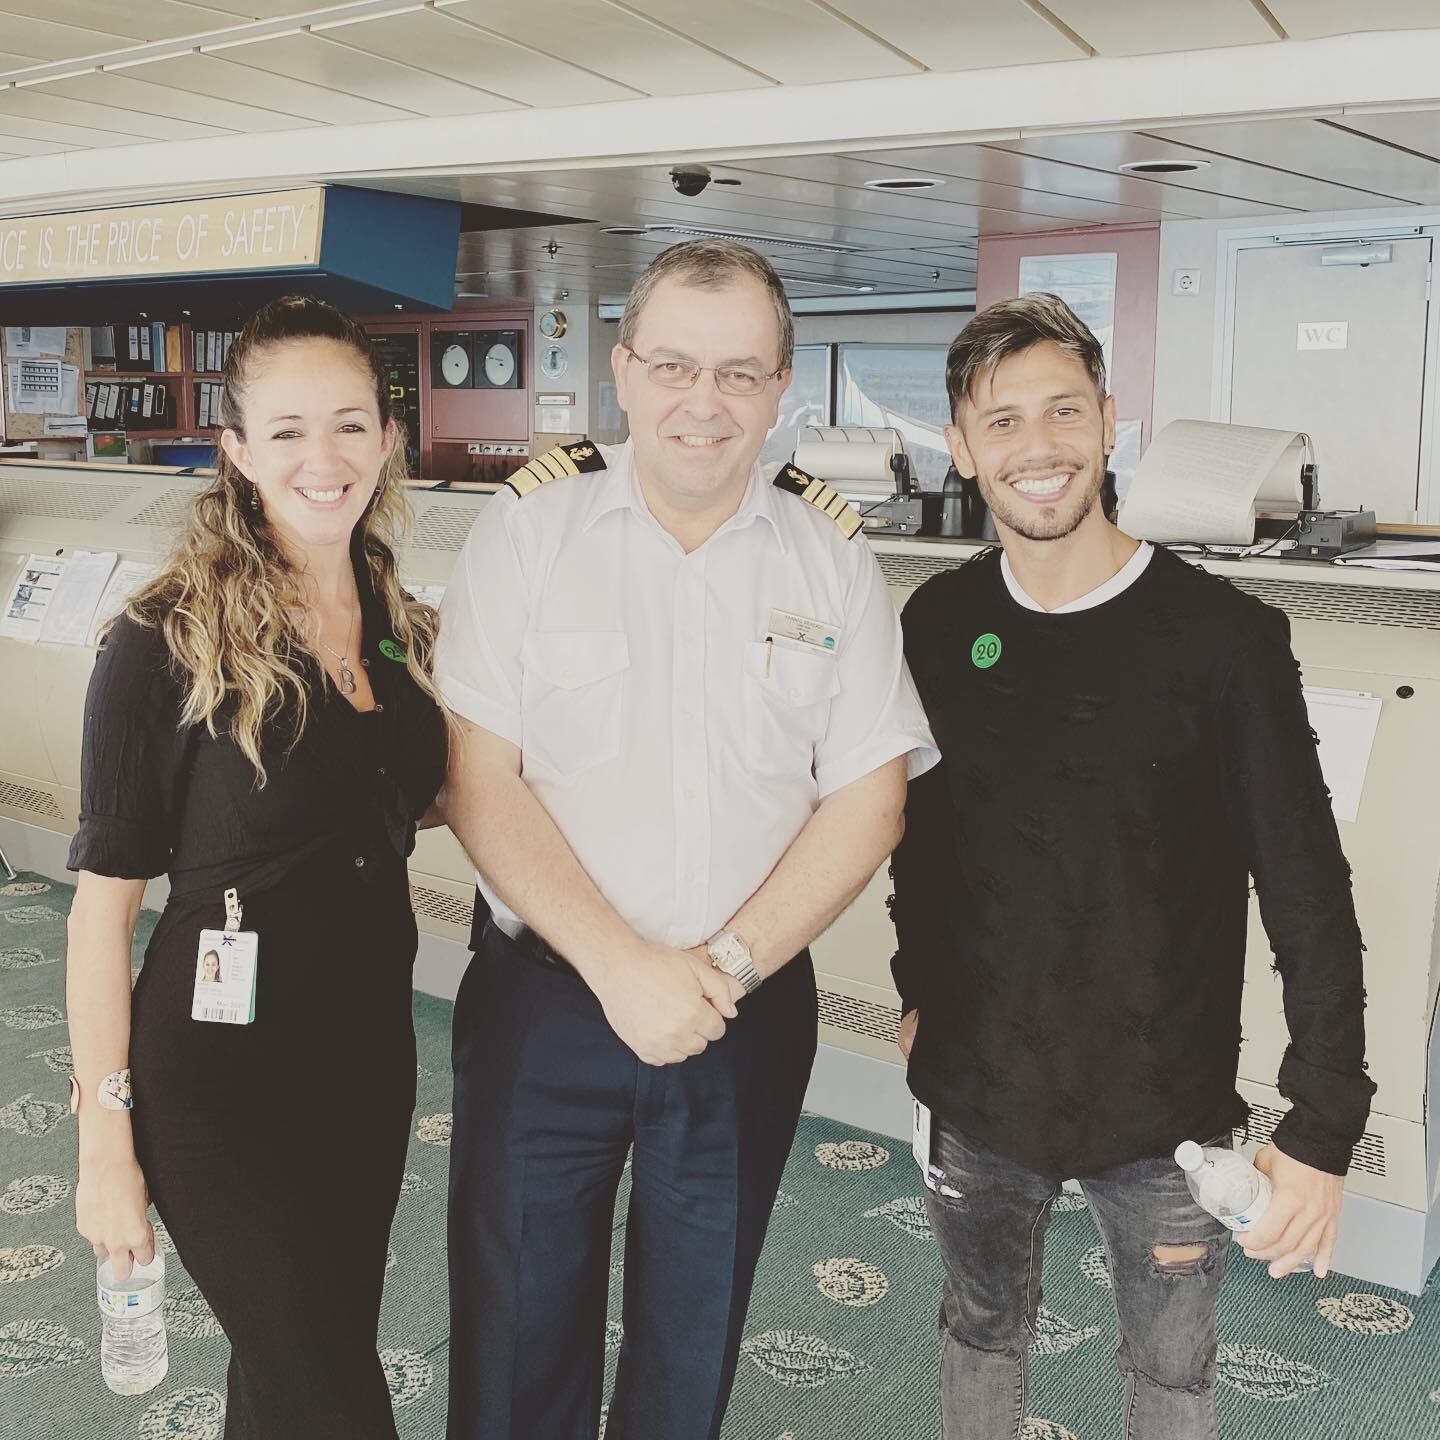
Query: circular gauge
point(455, 364)
point(554, 362)
point(553, 324)
point(499, 364)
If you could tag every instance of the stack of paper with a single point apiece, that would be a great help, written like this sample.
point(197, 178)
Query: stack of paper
point(1206, 482)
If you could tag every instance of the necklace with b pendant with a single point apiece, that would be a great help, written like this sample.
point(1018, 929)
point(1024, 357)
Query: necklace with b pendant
point(347, 675)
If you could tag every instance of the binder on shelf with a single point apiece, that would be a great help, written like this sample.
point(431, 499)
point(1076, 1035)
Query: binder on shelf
point(143, 357)
point(147, 401)
point(102, 345)
point(173, 360)
point(132, 345)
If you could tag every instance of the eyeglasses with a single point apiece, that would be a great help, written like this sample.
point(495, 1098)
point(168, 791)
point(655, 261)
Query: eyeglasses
point(673, 374)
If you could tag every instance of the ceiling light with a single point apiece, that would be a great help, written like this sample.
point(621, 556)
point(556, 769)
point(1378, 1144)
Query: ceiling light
point(859, 289)
point(1162, 167)
point(623, 230)
point(905, 182)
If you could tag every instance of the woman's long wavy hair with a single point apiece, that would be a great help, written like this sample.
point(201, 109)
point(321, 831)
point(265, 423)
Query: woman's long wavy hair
point(230, 602)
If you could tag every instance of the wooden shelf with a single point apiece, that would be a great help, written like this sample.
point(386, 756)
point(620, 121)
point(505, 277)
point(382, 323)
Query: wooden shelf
point(180, 383)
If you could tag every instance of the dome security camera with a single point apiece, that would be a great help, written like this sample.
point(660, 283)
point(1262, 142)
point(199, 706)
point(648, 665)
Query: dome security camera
point(690, 180)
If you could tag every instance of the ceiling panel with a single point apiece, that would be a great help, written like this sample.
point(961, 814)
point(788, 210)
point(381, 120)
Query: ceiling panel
point(23, 145)
point(794, 44)
point(962, 34)
point(1114, 27)
point(320, 60)
point(855, 170)
point(127, 90)
point(1309, 19)
point(1035, 173)
point(217, 75)
point(37, 105)
point(441, 41)
point(138, 20)
point(1417, 130)
point(1254, 184)
point(66, 136)
point(26, 35)
point(612, 42)
point(1312, 147)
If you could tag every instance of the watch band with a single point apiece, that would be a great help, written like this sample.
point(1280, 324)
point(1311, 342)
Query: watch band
point(729, 952)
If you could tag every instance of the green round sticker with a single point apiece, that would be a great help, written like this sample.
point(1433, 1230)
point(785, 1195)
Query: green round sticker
point(985, 651)
point(391, 651)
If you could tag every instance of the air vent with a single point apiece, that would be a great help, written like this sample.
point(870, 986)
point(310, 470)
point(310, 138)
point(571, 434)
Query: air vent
point(169, 511)
point(60, 499)
point(1338, 604)
point(859, 1017)
point(1369, 1154)
point(436, 905)
point(1348, 604)
point(14, 796)
point(441, 526)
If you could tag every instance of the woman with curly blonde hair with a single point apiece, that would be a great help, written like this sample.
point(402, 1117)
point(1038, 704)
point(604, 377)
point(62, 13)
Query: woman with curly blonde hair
point(262, 727)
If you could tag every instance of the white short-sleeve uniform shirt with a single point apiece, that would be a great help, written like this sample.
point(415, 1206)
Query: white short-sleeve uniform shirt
point(677, 749)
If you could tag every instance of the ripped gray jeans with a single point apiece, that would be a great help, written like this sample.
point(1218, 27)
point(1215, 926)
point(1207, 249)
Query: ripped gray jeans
point(1166, 1259)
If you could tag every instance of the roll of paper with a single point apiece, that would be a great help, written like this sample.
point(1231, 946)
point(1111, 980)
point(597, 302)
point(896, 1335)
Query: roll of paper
point(839, 454)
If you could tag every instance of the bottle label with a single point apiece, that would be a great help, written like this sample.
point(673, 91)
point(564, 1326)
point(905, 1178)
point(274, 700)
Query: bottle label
point(130, 1304)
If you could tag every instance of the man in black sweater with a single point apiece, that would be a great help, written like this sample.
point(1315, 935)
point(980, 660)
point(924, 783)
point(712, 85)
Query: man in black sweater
point(1125, 744)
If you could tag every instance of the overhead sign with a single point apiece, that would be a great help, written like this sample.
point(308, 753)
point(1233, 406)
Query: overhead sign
point(231, 234)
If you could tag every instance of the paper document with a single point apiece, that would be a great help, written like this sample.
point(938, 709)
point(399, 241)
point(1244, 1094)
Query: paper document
point(1395, 555)
point(29, 598)
point(1206, 482)
point(128, 577)
point(1345, 721)
point(34, 340)
point(77, 593)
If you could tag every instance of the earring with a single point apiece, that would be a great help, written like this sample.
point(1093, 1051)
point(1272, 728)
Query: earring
point(254, 496)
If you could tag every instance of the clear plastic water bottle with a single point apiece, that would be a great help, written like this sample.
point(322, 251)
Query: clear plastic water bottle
point(1226, 1185)
point(134, 1354)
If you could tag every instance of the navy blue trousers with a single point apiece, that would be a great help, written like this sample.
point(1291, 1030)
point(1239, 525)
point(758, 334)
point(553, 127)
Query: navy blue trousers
point(549, 1103)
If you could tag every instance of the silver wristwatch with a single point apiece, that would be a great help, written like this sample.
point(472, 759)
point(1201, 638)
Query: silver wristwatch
point(728, 952)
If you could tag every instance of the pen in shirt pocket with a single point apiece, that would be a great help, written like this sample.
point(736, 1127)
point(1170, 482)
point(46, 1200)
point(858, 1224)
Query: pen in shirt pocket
point(769, 652)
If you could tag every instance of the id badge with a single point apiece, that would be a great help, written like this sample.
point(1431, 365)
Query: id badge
point(922, 1146)
point(921, 1133)
point(225, 968)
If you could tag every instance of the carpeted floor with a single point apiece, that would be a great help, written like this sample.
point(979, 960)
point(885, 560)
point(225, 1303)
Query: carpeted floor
point(841, 1341)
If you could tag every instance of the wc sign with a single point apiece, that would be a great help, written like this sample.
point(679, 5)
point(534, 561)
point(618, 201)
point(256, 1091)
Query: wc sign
point(1322, 335)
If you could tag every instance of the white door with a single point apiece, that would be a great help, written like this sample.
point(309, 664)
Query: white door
point(1338, 351)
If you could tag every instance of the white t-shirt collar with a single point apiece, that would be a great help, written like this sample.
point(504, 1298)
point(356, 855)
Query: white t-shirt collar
point(1119, 582)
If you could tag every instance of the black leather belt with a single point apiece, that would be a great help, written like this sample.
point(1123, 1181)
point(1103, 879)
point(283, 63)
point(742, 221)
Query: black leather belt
point(533, 947)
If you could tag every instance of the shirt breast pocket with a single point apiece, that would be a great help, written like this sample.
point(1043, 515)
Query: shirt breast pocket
point(787, 707)
point(571, 698)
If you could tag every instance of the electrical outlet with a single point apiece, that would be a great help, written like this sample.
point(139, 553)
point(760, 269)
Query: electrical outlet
point(1186, 282)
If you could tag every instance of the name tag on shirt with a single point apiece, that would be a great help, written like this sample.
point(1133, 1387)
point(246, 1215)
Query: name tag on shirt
point(786, 625)
point(225, 967)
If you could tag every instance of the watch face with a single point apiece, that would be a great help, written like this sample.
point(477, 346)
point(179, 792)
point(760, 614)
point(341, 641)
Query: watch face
point(499, 364)
point(552, 324)
point(455, 364)
point(554, 362)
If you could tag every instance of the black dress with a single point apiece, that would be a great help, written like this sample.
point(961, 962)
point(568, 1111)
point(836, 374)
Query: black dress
point(274, 1151)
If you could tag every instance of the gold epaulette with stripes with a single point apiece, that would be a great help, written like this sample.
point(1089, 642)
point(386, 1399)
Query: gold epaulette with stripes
point(581, 458)
point(822, 497)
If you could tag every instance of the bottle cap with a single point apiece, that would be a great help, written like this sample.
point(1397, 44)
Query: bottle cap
point(1189, 1155)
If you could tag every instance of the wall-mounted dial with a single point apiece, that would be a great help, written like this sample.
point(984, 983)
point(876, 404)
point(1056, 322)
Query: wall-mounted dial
point(498, 356)
point(452, 359)
point(553, 324)
point(554, 362)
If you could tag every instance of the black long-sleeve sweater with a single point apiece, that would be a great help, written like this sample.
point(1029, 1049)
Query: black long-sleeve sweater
point(1071, 894)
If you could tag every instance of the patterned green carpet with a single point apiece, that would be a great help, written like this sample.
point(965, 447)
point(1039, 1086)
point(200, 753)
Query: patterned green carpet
point(841, 1341)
